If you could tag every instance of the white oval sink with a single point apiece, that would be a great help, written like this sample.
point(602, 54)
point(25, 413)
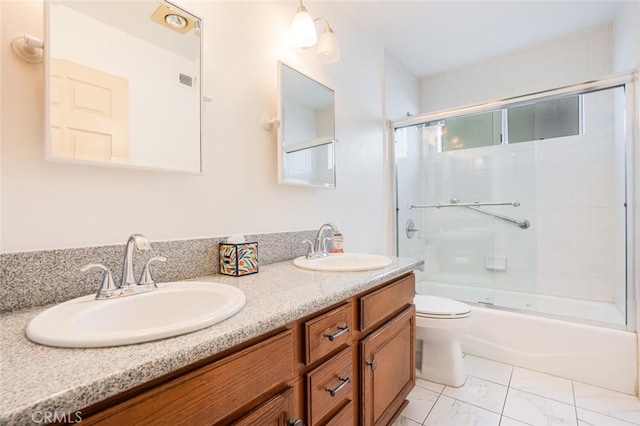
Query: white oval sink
point(175, 308)
point(344, 262)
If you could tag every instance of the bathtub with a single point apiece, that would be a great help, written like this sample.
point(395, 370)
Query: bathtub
point(594, 355)
point(591, 354)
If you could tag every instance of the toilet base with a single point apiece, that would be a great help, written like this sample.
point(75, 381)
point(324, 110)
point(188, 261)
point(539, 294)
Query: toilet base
point(442, 363)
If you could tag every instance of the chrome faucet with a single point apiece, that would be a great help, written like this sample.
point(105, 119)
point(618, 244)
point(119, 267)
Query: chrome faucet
point(142, 244)
point(128, 285)
point(318, 248)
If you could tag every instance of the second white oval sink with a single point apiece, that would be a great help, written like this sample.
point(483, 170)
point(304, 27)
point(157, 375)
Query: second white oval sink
point(175, 308)
point(344, 262)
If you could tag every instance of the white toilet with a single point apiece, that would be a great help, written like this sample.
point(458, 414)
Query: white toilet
point(440, 324)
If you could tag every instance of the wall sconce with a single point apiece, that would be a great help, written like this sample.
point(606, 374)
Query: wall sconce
point(29, 48)
point(303, 31)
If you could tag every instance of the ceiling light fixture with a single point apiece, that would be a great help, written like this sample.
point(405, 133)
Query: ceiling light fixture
point(303, 32)
point(169, 18)
point(175, 21)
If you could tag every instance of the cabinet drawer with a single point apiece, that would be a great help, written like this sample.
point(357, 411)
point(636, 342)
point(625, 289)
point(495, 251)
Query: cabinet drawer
point(344, 417)
point(274, 412)
point(380, 305)
point(211, 393)
point(327, 332)
point(329, 386)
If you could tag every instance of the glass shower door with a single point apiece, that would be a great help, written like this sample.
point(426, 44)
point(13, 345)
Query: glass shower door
point(557, 245)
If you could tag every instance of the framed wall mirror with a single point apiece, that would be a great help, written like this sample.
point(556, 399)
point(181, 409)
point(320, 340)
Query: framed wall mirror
point(306, 135)
point(123, 84)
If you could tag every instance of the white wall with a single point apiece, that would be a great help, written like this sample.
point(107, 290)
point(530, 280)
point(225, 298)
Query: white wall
point(401, 97)
point(574, 59)
point(50, 205)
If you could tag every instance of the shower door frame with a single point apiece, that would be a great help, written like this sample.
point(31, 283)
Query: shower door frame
point(629, 81)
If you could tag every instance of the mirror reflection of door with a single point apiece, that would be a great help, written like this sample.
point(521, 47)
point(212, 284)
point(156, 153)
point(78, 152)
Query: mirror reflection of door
point(129, 90)
point(89, 113)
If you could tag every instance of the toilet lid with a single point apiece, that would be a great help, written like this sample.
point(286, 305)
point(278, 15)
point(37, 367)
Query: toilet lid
point(439, 306)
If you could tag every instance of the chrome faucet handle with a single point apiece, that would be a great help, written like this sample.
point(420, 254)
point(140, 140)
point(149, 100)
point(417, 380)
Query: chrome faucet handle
point(108, 288)
point(310, 251)
point(324, 244)
point(145, 278)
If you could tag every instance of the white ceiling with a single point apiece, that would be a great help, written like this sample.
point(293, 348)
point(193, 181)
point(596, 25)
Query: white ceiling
point(432, 36)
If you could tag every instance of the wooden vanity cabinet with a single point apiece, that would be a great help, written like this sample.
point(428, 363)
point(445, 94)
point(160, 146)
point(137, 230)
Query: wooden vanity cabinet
point(219, 392)
point(349, 364)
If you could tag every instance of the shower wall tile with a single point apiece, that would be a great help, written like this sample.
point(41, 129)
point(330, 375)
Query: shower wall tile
point(579, 57)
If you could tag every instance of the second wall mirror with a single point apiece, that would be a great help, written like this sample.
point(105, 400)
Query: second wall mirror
point(306, 135)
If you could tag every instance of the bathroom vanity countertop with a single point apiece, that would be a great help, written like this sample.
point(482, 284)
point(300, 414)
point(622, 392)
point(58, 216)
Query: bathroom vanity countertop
point(37, 380)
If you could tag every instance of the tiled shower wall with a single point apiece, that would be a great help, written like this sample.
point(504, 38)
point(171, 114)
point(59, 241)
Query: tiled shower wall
point(571, 190)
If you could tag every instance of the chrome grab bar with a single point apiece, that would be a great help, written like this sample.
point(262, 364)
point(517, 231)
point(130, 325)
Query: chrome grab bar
point(524, 224)
point(473, 204)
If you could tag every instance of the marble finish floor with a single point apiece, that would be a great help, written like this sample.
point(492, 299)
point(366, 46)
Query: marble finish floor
point(497, 394)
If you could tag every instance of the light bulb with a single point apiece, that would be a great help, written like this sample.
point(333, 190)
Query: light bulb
point(303, 30)
point(176, 21)
point(328, 46)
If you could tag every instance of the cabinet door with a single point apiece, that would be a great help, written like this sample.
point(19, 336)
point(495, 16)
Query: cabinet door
point(387, 369)
point(273, 412)
point(211, 393)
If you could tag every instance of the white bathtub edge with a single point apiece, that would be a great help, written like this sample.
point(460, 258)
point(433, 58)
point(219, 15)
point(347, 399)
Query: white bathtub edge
point(594, 355)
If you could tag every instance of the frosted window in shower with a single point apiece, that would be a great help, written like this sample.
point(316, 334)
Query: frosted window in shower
point(471, 131)
point(544, 120)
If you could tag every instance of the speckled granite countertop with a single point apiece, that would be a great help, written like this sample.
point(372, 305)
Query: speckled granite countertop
point(39, 379)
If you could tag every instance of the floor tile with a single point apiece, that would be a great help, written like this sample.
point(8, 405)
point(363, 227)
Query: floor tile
point(537, 410)
point(403, 421)
point(450, 412)
point(603, 401)
point(542, 384)
point(432, 386)
point(420, 403)
point(481, 393)
point(493, 371)
point(507, 421)
point(590, 418)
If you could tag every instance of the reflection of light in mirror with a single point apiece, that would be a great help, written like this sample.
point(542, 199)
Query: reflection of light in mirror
point(175, 21)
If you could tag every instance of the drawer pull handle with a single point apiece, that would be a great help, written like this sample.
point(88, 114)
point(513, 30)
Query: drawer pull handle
point(341, 330)
point(373, 364)
point(345, 382)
